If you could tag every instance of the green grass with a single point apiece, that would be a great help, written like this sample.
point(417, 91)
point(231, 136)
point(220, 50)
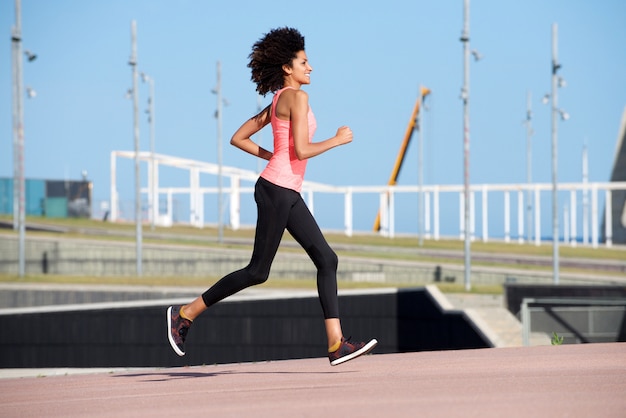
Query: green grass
point(364, 245)
point(205, 282)
point(182, 234)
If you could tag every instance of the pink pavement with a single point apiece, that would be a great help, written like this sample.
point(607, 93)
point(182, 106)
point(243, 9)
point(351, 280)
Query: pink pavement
point(571, 380)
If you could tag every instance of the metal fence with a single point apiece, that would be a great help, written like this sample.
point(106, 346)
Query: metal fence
point(509, 212)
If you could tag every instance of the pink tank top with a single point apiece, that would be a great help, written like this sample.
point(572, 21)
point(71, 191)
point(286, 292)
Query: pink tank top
point(284, 169)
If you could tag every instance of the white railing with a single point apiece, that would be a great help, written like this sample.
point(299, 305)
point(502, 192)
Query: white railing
point(588, 194)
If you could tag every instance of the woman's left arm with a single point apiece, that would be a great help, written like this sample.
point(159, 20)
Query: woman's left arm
point(300, 128)
point(242, 138)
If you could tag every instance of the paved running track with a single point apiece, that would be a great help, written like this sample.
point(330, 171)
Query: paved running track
point(550, 381)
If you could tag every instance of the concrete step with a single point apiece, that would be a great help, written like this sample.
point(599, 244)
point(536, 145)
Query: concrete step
point(489, 314)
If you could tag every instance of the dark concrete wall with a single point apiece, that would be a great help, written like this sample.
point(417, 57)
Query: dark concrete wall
point(515, 293)
point(230, 332)
point(579, 314)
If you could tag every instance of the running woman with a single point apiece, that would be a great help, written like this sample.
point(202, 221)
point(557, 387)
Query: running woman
point(280, 65)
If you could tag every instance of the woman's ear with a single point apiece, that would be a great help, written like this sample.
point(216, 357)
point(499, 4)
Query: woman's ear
point(287, 69)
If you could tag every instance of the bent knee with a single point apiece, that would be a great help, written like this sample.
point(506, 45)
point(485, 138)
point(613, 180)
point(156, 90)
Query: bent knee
point(257, 277)
point(333, 260)
point(326, 260)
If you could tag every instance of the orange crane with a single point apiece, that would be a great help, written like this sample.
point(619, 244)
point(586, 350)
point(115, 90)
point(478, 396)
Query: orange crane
point(403, 147)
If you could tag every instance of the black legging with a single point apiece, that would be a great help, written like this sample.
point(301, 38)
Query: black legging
point(279, 208)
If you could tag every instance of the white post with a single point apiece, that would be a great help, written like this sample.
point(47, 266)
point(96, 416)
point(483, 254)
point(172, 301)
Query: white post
point(348, 211)
point(594, 215)
point(507, 217)
point(537, 206)
point(565, 223)
point(194, 211)
point(573, 237)
point(520, 216)
point(114, 203)
point(485, 210)
point(155, 191)
point(436, 213)
point(383, 208)
point(427, 233)
point(170, 207)
point(608, 218)
point(392, 214)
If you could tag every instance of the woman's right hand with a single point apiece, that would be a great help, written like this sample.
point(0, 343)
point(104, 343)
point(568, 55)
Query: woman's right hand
point(344, 135)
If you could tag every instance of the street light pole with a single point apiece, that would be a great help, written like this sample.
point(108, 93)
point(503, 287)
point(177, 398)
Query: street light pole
point(555, 112)
point(529, 194)
point(585, 195)
point(19, 209)
point(218, 115)
point(154, 198)
point(466, 141)
point(133, 64)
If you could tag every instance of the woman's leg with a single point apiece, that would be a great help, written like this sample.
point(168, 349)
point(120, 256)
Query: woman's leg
point(273, 204)
point(303, 227)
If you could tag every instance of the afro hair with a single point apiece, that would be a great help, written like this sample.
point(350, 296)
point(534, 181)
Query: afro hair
point(269, 54)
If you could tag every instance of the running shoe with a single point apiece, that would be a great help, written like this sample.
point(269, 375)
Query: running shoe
point(177, 328)
point(349, 350)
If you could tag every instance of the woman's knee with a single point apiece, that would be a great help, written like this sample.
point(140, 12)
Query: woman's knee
point(256, 277)
point(333, 260)
point(324, 258)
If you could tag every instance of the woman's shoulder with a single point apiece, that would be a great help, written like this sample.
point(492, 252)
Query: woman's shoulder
point(294, 94)
point(291, 100)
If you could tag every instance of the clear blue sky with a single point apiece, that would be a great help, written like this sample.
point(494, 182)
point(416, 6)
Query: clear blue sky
point(368, 58)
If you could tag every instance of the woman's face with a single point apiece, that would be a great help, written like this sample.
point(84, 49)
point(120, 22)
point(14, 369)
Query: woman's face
point(300, 70)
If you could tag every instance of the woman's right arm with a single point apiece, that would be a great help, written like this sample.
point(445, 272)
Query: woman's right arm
point(242, 138)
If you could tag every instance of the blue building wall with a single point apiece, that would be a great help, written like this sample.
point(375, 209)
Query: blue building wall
point(6, 196)
point(42, 198)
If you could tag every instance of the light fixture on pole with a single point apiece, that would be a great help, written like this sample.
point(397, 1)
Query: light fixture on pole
point(30, 92)
point(30, 56)
point(153, 198)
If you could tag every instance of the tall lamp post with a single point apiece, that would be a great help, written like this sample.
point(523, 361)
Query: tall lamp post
point(19, 211)
point(466, 139)
point(135, 94)
point(154, 198)
point(19, 192)
point(529, 134)
point(218, 115)
point(556, 112)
